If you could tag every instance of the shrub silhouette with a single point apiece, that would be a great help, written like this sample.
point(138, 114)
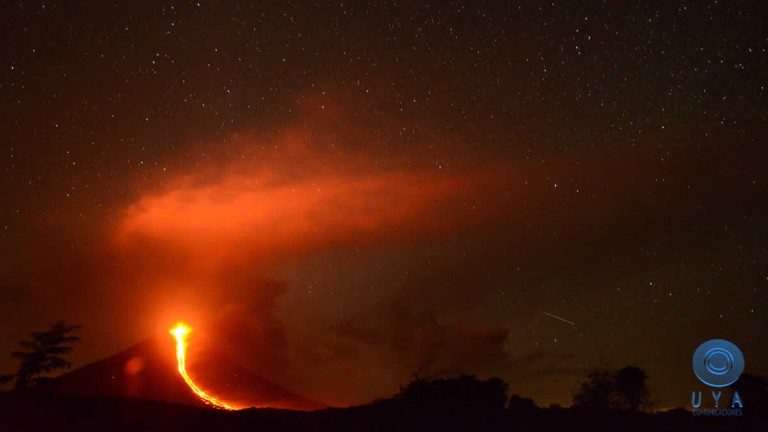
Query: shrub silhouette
point(42, 354)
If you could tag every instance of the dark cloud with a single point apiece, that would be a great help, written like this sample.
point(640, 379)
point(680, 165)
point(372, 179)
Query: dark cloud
point(538, 365)
point(419, 342)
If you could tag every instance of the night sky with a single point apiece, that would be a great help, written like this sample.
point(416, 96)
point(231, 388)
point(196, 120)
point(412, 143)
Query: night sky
point(343, 193)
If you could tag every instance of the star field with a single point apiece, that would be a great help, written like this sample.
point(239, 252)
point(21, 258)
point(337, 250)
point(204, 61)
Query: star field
point(392, 181)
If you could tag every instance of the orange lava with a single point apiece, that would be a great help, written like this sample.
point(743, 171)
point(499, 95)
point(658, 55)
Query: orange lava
point(181, 332)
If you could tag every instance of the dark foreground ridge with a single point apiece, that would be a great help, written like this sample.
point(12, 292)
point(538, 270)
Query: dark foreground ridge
point(56, 412)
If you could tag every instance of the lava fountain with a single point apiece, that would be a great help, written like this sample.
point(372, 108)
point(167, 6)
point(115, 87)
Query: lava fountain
point(181, 332)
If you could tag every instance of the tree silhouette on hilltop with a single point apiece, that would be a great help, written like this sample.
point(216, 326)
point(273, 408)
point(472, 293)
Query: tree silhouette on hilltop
point(42, 354)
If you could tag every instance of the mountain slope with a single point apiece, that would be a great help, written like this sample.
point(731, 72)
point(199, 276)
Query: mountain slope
point(148, 370)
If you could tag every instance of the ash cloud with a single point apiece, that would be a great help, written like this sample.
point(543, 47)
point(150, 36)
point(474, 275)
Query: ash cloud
point(203, 246)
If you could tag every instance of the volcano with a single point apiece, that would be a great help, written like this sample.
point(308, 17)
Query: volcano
point(148, 370)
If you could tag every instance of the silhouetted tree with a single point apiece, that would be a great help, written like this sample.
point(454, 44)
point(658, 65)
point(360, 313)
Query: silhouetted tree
point(461, 403)
point(598, 391)
point(632, 391)
point(753, 391)
point(519, 404)
point(624, 389)
point(42, 354)
point(465, 392)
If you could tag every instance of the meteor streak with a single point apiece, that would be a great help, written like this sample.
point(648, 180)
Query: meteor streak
point(181, 332)
point(561, 319)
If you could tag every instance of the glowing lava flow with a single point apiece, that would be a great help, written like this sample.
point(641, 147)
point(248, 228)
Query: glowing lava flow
point(180, 332)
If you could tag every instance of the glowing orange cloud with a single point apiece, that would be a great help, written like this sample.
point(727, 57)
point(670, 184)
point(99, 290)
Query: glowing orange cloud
point(260, 215)
point(181, 332)
point(206, 237)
